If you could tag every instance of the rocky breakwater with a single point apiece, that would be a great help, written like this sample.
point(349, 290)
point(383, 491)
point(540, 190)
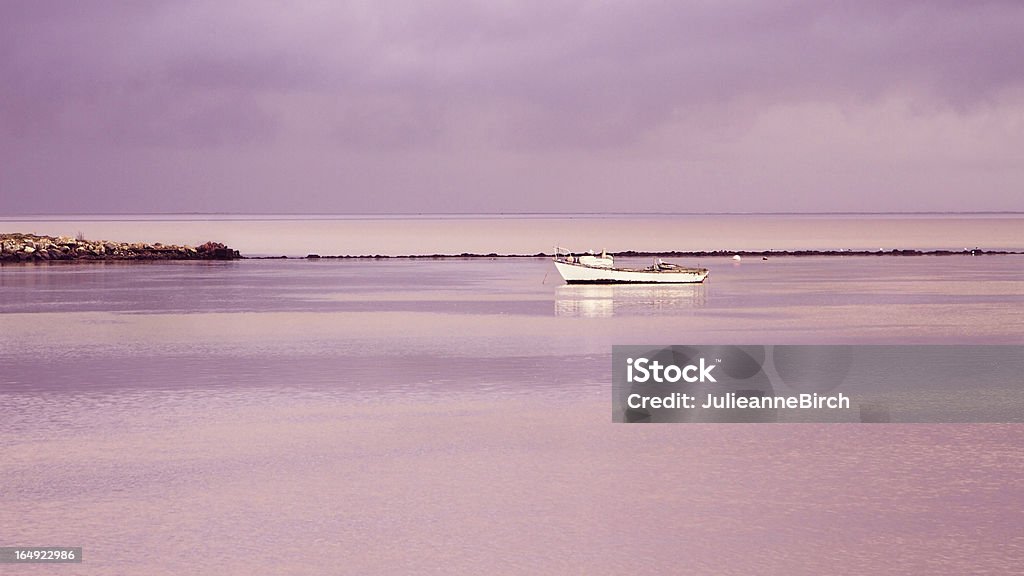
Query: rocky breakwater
point(32, 248)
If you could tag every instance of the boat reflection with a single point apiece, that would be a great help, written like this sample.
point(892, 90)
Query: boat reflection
point(606, 300)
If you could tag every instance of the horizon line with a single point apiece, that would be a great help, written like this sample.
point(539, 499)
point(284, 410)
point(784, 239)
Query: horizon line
point(428, 214)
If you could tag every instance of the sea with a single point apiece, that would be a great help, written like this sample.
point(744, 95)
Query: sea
point(453, 415)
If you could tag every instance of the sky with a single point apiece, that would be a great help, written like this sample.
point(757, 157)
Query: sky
point(510, 106)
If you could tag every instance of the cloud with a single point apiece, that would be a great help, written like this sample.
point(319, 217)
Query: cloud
point(485, 79)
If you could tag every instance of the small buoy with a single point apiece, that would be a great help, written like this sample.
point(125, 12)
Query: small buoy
point(737, 257)
point(764, 257)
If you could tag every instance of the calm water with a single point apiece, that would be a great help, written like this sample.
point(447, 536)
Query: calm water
point(457, 234)
point(322, 417)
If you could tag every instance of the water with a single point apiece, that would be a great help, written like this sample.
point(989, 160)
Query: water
point(398, 416)
point(275, 235)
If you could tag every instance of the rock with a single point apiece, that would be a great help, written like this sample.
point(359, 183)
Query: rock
point(28, 249)
point(216, 251)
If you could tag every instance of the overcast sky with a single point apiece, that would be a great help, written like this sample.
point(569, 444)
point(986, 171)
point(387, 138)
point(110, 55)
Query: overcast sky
point(511, 106)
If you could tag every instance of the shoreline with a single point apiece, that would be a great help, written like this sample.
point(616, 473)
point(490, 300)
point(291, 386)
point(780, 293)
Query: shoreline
point(18, 248)
point(658, 254)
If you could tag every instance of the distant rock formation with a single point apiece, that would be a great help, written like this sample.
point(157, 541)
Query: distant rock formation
point(32, 248)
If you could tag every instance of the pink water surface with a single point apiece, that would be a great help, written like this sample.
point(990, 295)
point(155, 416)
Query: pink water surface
point(340, 417)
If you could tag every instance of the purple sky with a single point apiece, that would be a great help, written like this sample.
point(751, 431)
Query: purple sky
point(501, 106)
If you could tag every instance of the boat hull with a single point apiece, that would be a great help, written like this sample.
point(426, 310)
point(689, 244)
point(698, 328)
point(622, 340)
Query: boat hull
point(581, 274)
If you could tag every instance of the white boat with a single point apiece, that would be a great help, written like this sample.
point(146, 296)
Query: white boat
point(593, 268)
